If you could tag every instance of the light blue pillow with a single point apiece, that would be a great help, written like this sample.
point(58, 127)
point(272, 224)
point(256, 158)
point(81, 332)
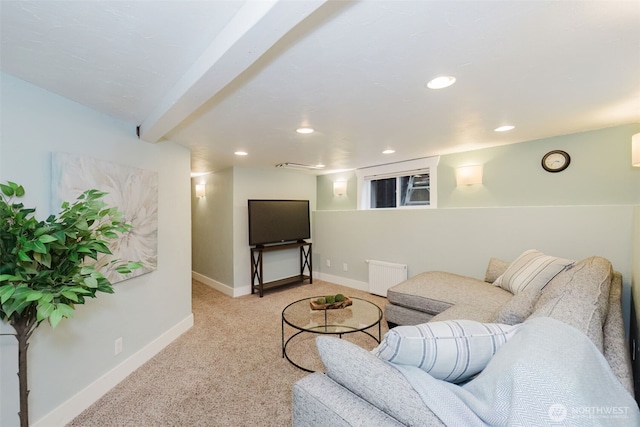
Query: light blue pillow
point(452, 350)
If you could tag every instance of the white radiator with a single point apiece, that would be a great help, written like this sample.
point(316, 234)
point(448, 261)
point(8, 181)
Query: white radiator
point(383, 275)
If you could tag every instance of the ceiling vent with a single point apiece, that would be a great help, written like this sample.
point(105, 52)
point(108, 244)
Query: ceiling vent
point(290, 165)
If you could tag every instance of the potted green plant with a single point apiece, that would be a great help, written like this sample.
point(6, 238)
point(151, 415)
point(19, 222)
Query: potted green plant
point(44, 271)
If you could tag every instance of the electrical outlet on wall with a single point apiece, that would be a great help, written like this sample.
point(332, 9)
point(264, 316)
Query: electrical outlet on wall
point(345, 267)
point(328, 262)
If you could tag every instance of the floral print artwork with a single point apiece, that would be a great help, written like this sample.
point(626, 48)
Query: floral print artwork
point(132, 190)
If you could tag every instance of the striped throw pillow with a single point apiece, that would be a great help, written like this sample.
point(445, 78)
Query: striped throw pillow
point(532, 271)
point(452, 350)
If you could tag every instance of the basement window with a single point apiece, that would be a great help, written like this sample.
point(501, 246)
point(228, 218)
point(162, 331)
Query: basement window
point(410, 184)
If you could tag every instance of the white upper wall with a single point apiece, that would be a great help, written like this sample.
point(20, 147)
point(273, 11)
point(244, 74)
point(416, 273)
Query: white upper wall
point(62, 362)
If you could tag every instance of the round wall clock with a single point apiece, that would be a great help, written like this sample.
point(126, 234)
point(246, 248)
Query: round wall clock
point(556, 161)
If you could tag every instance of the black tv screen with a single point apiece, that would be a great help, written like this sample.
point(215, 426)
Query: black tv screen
point(278, 221)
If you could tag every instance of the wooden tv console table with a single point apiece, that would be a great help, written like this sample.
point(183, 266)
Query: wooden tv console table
point(256, 266)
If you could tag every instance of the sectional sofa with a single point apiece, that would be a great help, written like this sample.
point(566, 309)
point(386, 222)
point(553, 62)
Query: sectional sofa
point(468, 348)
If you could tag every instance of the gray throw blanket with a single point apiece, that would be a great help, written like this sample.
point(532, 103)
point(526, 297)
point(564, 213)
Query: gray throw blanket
point(549, 373)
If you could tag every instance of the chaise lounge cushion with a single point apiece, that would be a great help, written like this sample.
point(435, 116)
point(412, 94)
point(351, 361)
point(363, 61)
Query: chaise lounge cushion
point(433, 292)
point(453, 350)
point(465, 311)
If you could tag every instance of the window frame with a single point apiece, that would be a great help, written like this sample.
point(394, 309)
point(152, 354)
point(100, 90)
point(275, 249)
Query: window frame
point(396, 170)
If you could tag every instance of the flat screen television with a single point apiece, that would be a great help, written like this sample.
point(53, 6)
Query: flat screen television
point(278, 221)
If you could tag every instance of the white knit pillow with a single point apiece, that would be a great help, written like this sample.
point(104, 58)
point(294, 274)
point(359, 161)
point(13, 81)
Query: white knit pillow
point(531, 270)
point(451, 350)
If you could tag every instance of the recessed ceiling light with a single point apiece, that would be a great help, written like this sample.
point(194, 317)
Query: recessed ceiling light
point(504, 128)
point(388, 151)
point(441, 82)
point(304, 130)
point(240, 153)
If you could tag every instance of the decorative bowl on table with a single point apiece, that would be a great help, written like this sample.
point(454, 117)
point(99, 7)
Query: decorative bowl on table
point(330, 302)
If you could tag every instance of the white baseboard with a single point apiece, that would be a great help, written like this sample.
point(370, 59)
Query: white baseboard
point(221, 287)
point(246, 290)
point(218, 286)
point(355, 284)
point(73, 407)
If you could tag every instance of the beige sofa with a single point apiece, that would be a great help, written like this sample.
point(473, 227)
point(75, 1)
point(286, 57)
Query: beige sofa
point(362, 389)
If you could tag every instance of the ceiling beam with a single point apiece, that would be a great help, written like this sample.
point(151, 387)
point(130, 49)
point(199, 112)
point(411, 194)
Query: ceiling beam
point(252, 32)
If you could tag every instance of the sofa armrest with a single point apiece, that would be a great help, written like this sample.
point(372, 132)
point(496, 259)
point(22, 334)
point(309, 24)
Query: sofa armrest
point(374, 381)
point(616, 350)
point(320, 401)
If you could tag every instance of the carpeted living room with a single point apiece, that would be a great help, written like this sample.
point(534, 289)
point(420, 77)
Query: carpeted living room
point(447, 141)
point(227, 370)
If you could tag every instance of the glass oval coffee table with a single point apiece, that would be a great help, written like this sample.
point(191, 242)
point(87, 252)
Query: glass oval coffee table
point(360, 316)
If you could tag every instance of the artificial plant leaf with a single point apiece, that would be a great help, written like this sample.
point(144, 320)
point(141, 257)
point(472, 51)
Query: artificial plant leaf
point(65, 310)
point(14, 306)
point(87, 270)
point(9, 277)
point(79, 290)
point(59, 235)
point(90, 282)
point(46, 238)
point(7, 190)
point(106, 288)
point(100, 247)
point(19, 190)
point(5, 293)
point(44, 310)
point(46, 297)
point(82, 225)
point(22, 255)
point(21, 292)
point(54, 318)
point(40, 231)
point(39, 247)
point(33, 295)
point(70, 295)
point(45, 259)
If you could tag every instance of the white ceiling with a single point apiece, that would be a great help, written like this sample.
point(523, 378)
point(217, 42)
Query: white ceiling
point(222, 76)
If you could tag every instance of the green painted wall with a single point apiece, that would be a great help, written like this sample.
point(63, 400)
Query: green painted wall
point(600, 173)
point(326, 198)
point(591, 208)
point(212, 227)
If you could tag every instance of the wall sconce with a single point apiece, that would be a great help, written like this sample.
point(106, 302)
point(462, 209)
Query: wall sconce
point(468, 175)
point(200, 190)
point(339, 188)
point(635, 150)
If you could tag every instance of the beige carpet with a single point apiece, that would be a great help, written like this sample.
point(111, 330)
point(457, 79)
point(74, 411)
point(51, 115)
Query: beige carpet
point(227, 370)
